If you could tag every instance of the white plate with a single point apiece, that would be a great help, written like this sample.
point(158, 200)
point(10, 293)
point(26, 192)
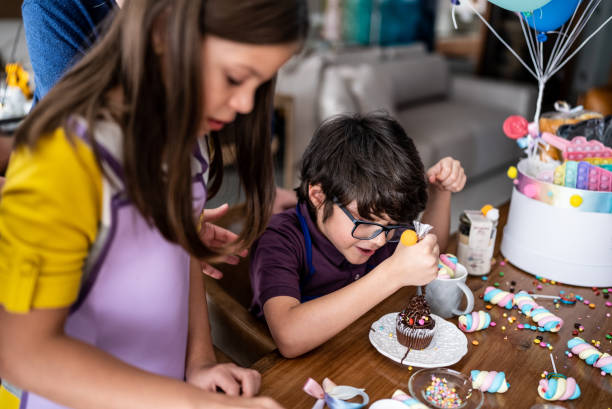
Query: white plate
point(447, 347)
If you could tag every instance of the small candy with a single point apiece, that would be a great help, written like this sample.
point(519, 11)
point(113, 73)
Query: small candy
point(474, 342)
point(512, 173)
point(591, 306)
point(515, 127)
point(558, 387)
point(476, 321)
point(489, 381)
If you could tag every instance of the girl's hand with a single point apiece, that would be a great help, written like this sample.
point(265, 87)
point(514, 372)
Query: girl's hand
point(216, 237)
point(447, 175)
point(417, 264)
point(230, 378)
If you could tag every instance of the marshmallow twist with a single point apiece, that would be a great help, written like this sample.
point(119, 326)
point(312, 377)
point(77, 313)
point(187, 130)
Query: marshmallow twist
point(590, 354)
point(499, 297)
point(490, 381)
point(558, 388)
point(407, 400)
point(539, 314)
point(476, 321)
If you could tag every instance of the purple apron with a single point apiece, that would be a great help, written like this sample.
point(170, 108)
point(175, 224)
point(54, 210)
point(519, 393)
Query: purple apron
point(134, 299)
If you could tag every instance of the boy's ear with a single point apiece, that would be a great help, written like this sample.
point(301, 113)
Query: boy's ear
point(316, 195)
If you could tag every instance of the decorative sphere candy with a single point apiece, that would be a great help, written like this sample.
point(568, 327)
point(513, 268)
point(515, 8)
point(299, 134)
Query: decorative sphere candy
point(475, 321)
point(558, 387)
point(489, 381)
point(499, 297)
point(409, 238)
point(407, 400)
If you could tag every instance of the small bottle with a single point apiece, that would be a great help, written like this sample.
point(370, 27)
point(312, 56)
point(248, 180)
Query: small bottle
point(477, 231)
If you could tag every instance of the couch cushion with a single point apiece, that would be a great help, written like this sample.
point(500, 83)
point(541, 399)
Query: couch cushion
point(468, 132)
point(425, 76)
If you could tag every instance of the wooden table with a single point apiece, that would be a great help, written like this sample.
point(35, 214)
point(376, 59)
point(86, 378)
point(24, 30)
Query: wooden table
point(350, 359)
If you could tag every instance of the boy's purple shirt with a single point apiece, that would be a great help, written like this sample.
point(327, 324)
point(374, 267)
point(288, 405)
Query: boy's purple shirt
point(278, 262)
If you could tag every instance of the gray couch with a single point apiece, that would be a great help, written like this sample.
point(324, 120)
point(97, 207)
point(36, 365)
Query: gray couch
point(445, 114)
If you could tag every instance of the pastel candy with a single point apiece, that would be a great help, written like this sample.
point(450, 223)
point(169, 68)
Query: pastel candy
point(499, 297)
point(524, 302)
point(476, 321)
point(445, 271)
point(546, 319)
point(407, 400)
point(539, 314)
point(556, 388)
point(604, 363)
point(489, 381)
point(587, 352)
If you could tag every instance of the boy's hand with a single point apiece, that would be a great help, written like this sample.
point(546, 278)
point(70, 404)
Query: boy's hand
point(447, 175)
point(417, 264)
point(230, 378)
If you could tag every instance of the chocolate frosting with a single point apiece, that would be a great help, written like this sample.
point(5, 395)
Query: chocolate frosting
point(417, 309)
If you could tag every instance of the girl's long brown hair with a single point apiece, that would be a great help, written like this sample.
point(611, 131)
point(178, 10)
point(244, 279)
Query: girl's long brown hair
point(161, 112)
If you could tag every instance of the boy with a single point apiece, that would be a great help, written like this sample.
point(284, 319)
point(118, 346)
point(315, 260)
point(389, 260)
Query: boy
point(320, 266)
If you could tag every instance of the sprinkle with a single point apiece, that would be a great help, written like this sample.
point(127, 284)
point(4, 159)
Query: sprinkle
point(485, 278)
point(608, 304)
point(536, 341)
point(539, 287)
point(504, 315)
point(502, 263)
point(493, 323)
point(591, 306)
point(421, 322)
point(575, 332)
point(586, 302)
point(520, 326)
point(579, 298)
point(501, 273)
point(503, 328)
point(550, 347)
point(553, 282)
point(489, 306)
point(496, 284)
point(474, 342)
point(410, 368)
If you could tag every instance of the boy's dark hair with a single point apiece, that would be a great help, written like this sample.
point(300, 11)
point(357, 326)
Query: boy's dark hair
point(367, 158)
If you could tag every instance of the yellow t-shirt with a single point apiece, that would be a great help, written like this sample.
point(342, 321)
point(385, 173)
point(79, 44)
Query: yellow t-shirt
point(50, 209)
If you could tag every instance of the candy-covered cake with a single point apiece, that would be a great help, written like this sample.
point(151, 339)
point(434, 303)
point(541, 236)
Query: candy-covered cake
point(414, 325)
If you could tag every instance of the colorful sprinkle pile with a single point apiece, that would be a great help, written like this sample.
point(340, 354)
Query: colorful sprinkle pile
point(441, 395)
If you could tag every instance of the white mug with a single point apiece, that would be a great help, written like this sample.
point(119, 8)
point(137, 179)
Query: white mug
point(444, 294)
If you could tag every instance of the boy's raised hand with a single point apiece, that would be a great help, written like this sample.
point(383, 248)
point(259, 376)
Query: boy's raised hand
point(417, 264)
point(447, 175)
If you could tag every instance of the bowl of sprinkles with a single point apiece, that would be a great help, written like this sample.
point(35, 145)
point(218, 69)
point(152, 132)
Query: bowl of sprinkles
point(444, 388)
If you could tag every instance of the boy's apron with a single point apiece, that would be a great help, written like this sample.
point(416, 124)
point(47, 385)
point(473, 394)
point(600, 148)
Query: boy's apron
point(134, 299)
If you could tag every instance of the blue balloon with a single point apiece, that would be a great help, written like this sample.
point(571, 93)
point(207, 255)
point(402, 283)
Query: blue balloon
point(520, 5)
point(551, 16)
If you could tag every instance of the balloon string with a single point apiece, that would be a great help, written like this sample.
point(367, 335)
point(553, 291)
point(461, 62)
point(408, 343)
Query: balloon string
point(573, 36)
point(501, 39)
point(581, 46)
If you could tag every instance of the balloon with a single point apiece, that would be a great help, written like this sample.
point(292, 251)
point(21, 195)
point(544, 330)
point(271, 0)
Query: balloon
point(551, 16)
point(520, 5)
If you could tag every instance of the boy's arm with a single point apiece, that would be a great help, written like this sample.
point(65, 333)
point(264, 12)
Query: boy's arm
point(445, 177)
point(297, 328)
point(437, 214)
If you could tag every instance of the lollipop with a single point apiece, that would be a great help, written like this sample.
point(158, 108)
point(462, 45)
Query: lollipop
point(539, 314)
point(476, 321)
point(490, 381)
point(558, 387)
point(407, 400)
point(590, 354)
point(499, 297)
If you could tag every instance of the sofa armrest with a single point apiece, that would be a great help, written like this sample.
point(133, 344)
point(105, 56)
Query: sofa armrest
point(236, 332)
point(517, 99)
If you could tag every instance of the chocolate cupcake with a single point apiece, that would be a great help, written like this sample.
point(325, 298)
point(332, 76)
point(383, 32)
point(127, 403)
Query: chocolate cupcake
point(414, 326)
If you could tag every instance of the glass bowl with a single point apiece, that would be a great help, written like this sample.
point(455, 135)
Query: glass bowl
point(470, 398)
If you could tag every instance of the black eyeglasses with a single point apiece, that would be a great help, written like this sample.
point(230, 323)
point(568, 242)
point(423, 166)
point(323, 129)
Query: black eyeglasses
point(366, 230)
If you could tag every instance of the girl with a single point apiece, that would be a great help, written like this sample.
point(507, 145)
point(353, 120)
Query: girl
point(98, 214)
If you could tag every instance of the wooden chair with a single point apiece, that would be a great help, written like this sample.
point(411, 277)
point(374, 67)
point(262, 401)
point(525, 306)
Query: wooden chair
point(235, 331)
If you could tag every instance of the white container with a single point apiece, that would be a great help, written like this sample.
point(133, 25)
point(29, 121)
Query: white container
point(558, 242)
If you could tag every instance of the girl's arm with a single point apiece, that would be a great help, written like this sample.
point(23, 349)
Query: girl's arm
point(202, 368)
point(297, 328)
point(37, 356)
